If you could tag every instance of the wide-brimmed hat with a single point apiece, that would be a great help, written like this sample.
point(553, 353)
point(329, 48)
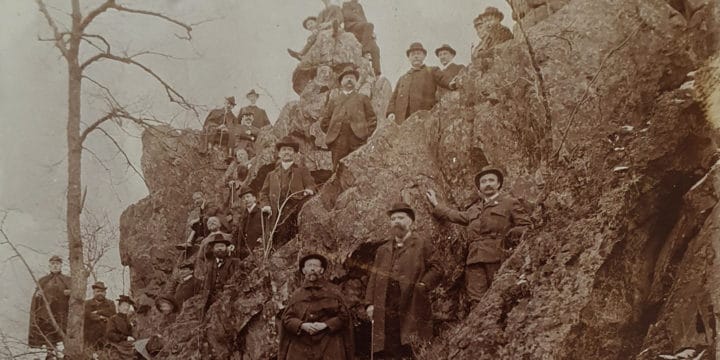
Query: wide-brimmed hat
point(252, 92)
point(231, 100)
point(349, 70)
point(402, 207)
point(308, 19)
point(125, 299)
point(245, 190)
point(219, 238)
point(323, 260)
point(490, 11)
point(56, 258)
point(288, 141)
point(445, 47)
point(246, 111)
point(415, 46)
point(167, 298)
point(489, 169)
point(99, 285)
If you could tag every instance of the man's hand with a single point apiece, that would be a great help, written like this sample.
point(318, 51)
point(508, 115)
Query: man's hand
point(391, 117)
point(308, 192)
point(309, 328)
point(370, 309)
point(267, 210)
point(320, 326)
point(130, 338)
point(193, 221)
point(66, 292)
point(432, 198)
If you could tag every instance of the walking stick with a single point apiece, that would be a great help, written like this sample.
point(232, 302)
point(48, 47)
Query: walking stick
point(372, 339)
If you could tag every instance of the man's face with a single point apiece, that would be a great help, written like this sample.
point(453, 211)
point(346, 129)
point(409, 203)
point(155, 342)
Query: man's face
point(241, 156)
point(286, 153)
point(228, 105)
point(213, 223)
point(165, 307)
point(55, 267)
point(311, 25)
point(249, 199)
point(198, 199)
point(488, 184)
point(400, 223)
point(348, 82)
point(445, 57)
point(99, 294)
point(253, 98)
point(247, 119)
point(124, 308)
point(313, 269)
point(368, 56)
point(220, 250)
point(417, 58)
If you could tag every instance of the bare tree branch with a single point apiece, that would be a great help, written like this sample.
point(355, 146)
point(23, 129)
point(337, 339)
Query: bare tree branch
point(87, 37)
point(95, 124)
point(58, 36)
point(127, 158)
point(111, 4)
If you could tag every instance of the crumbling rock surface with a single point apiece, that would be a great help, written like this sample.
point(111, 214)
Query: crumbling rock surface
point(602, 135)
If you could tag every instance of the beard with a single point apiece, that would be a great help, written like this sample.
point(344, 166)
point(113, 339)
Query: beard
point(220, 254)
point(99, 297)
point(312, 277)
point(399, 230)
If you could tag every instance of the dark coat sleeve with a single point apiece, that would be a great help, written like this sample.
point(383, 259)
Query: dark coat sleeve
point(307, 179)
point(116, 330)
point(393, 99)
point(326, 115)
point(369, 115)
point(433, 268)
point(265, 192)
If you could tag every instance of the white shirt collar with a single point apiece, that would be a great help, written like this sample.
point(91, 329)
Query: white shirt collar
point(250, 209)
point(443, 67)
point(401, 242)
point(286, 165)
point(487, 200)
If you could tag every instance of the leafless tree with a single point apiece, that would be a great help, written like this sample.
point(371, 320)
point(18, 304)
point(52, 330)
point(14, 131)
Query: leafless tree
point(69, 41)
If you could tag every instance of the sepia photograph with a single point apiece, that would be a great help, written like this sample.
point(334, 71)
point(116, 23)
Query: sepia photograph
point(360, 179)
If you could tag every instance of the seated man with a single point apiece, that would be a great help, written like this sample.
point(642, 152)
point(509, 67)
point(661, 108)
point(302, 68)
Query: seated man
point(216, 127)
point(260, 118)
point(309, 24)
point(215, 227)
point(197, 229)
point(490, 30)
point(356, 23)
point(331, 17)
point(245, 134)
point(220, 270)
point(120, 331)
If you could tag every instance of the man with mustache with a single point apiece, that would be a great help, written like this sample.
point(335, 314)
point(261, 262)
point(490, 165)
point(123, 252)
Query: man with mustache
point(220, 270)
point(98, 311)
point(55, 289)
point(349, 119)
point(316, 323)
point(404, 272)
point(493, 221)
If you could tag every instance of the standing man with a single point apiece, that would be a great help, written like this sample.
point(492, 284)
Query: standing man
point(220, 271)
point(490, 30)
point(246, 133)
point(494, 223)
point(204, 254)
point(288, 181)
point(98, 311)
point(250, 227)
point(316, 323)
point(55, 287)
point(217, 126)
point(416, 89)
point(448, 69)
point(404, 272)
point(356, 23)
point(260, 118)
point(348, 119)
point(120, 331)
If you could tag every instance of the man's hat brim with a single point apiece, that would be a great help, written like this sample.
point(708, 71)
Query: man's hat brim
point(445, 47)
point(56, 258)
point(490, 170)
point(352, 72)
point(252, 92)
point(402, 207)
point(219, 239)
point(246, 190)
point(287, 143)
point(99, 285)
point(323, 260)
point(415, 47)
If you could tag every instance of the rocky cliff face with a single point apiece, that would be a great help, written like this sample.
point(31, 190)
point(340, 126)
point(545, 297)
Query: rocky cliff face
point(602, 132)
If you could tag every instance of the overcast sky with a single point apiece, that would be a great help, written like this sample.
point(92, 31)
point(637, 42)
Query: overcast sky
point(242, 47)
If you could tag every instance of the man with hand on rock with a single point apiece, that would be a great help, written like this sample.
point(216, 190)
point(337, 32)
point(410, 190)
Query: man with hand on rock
point(448, 69)
point(495, 222)
point(316, 323)
point(349, 119)
point(356, 23)
point(402, 276)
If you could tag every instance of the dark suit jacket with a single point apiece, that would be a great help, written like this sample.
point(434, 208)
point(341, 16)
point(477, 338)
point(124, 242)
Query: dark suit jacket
point(450, 72)
point(270, 194)
point(415, 91)
point(216, 278)
point(353, 14)
point(250, 229)
point(218, 117)
point(119, 328)
point(187, 289)
point(354, 109)
point(260, 118)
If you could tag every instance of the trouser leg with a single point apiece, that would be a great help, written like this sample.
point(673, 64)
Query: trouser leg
point(478, 278)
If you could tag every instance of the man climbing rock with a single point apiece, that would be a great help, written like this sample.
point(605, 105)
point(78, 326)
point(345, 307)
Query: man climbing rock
point(356, 23)
point(316, 323)
point(449, 70)
point(260, 118)
point(309, 24)
point(220, 270)
point(200, 211)
point(120, 331)
point(404, 272)
point(55, 289)
point(331, 17)
point(495, 222)
point(349, 119)
point(415, 90)
point(216, 129)
point(288, 181)
point(98, 311)
point(489, 30)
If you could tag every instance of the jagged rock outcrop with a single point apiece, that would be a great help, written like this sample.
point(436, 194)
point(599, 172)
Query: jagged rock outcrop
point(601, 133)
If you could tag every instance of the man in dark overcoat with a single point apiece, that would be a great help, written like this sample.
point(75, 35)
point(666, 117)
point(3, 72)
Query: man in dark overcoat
point(187, 284)
point(55, 287)
point(348, 119)
point(316, 323)
point(415, 90)
point(250, 227)
point(495, 222)
point(364, 31)
point(260, 118)
point(404, 272)
point(98, 311)
point(217, 126)
point(119, 331)
point(220, 270)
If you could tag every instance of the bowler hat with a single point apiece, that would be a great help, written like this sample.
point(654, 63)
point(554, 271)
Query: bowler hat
point(445, 47)
point(231, 100)
point(219, 238)
point(490, 11)
point(245, 190)
point(323, 260)
point(252, 92)
point(167, 298)
point(349, 70)
point(489, 169)
point(402, 207)
point(56, 258)
point(313, 18)
point(125, 299)
point(288, 141)
point(246, 111)
point(415, 46)
point(99, 285)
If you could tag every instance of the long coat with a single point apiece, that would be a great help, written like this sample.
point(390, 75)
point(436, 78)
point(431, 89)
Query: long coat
point(97, 313)
point(41, 329)
point(316, 302)
point(415, 91)
point(488, 226)
point(250, 229)
point(186, 289)
point(414, 262)
point(118, 329)
point(354, 109)
point(260, 118)
point(216, 278)
point(297, 178)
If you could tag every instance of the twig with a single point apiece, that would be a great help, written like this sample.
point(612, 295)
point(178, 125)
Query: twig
point(127, 158)
point(58, 36)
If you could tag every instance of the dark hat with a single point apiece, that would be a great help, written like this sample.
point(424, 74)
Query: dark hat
point(219, 238)
point(56, 258)
point(490, 11)
point(167, 298)
point(445, 47)
point(125, 299)
point(349, 70)
point(308, 19)
point(245, 190)
point(323, 260)
point(246, 111)
point(231, 100)
point(288, 141)
point(252, 92)
point(489, 169)
point(402, 207)
point(99, 285)
point(415, 46)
